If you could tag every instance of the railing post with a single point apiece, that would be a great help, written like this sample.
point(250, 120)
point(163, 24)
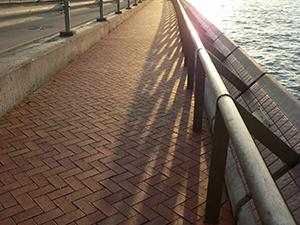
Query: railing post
point(217, 169)
point(118, 8)
point(269, 203)
point(68, 31)
point(184, 33)
point(184, 39)
point(199, 95)
point(128, 6)
point(190, 62)
point(140, 1)
point(101, 12)
point(180, 22)
point(135, 4)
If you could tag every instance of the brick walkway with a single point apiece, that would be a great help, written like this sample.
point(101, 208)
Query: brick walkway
point(109, 140)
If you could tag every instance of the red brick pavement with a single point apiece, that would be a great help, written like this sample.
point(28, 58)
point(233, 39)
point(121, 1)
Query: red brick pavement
point(109, 140)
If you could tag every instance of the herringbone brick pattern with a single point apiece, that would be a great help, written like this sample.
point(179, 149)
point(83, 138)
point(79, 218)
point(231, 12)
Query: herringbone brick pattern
point(109, 140)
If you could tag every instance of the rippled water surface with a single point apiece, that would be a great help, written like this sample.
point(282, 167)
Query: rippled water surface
point(268, 30)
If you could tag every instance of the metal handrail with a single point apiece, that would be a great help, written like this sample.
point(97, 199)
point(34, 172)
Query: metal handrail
point(55, 6)
point(267, 198)
point(64, 7)
point(43, 7)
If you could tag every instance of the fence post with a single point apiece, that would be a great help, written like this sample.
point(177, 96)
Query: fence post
point(128, 6)
point(118, 8)
point(199, 94)
point(101, 12)
point(184, 38)
point(66, 10)
point(190, 62)
point(217, 169)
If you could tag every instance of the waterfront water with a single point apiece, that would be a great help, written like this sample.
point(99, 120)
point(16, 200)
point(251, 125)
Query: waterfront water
point(268, 30)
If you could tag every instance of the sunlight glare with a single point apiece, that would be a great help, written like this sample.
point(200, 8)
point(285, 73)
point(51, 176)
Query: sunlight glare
point(211, 9)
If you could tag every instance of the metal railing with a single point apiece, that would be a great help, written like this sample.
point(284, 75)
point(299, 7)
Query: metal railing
point(66, 11)
point(229, 123)
point(64, 6)
point(13, 11)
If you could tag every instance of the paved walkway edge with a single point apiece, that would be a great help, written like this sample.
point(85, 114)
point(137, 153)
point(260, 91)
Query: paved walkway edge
point(35, 65)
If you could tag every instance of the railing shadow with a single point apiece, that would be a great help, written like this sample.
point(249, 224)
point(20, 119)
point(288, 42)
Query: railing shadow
point(174, 159)
point(88, 143)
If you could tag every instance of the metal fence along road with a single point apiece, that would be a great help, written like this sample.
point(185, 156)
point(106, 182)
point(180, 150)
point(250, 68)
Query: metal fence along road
point(18, 21)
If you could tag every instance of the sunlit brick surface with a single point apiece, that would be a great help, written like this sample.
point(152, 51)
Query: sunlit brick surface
point(109, 139)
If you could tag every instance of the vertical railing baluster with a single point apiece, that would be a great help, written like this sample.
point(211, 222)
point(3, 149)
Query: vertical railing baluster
point(190, 62)
point(101, 12)
point(118, 7)
point(217, 169)
point(199, 95)
point(128, 5)
point(68, 31)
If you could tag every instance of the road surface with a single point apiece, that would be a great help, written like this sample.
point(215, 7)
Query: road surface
point(16, 32)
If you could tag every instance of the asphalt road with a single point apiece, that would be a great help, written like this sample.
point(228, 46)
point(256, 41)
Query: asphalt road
point(20, 31)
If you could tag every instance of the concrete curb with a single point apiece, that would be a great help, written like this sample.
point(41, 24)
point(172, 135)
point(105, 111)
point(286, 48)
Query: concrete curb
point(26, 70)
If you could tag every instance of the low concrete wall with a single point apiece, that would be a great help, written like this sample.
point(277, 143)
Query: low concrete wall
point(25, 70)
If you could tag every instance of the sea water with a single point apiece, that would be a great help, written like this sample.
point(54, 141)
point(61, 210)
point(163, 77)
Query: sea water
point(268, 30)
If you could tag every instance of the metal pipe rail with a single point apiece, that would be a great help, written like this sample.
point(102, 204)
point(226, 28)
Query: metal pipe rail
point(51, 6)
point(33, 8)
point(42, 7)
point(228, 123)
